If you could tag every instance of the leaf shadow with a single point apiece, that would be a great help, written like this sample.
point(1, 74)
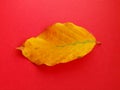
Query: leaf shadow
point(63, 67)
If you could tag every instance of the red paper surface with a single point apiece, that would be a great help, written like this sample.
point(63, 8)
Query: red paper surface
point(21, 19)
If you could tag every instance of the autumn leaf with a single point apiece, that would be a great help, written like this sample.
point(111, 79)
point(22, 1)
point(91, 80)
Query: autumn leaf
point(59, 43)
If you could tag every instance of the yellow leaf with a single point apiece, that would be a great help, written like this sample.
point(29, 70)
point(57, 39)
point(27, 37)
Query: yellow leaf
point(59, 43)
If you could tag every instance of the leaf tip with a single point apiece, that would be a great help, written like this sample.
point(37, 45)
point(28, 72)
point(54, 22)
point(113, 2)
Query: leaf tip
point(98, 43)
point(20, 48)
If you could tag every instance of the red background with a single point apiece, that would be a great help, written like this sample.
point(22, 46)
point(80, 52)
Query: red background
point(21, 19)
